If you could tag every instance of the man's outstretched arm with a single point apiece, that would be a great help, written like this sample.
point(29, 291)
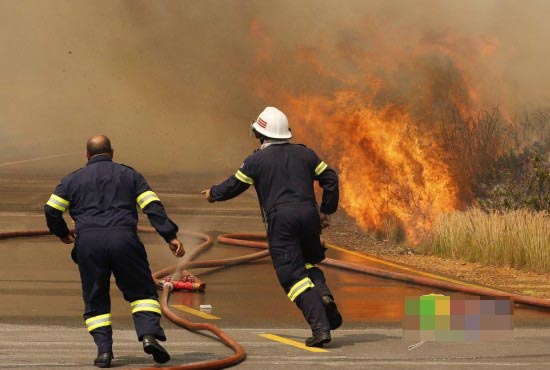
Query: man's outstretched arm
point(228, 189)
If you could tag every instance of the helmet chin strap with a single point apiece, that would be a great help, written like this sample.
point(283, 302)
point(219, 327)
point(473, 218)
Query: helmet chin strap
point(257, 135)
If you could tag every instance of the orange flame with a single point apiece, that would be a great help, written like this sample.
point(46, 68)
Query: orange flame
point(374, 115)
point(387, 170)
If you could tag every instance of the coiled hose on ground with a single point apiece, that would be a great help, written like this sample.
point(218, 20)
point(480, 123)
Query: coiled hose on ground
point(239, 353)
point(259, 241)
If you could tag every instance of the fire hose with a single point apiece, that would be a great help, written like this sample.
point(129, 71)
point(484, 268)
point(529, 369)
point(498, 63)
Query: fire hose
point(239, 354)
point(259, 241)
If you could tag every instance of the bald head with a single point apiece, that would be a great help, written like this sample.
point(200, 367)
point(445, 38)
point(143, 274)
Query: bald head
point(99, 144)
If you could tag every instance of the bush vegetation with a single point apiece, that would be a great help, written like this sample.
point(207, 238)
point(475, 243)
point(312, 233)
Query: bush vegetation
point(517, 238)
point(500, 164)
point(504, 167)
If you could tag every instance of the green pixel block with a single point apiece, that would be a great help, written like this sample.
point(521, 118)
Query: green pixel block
point(427, 305)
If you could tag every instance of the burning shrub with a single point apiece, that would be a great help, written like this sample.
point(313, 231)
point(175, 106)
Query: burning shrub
point(403, 126)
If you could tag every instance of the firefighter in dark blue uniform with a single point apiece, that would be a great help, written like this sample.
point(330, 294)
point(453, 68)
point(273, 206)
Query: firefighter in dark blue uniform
point(283, 175)
point(101, 198)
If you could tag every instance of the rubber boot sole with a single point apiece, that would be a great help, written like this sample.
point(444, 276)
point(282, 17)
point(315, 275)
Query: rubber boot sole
point(318, 340)
point(160, 356)
point(103, 361)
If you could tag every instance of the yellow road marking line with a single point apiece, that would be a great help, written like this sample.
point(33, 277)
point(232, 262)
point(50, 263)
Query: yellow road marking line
point(194, 312)
point(366, 256)
point(291, 343)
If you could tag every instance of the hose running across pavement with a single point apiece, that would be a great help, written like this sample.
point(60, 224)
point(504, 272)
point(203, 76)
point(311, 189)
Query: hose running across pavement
point(259, 241)
point(239, 353)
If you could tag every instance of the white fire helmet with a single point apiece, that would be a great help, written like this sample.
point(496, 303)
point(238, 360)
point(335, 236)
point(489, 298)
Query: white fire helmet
point(272, 123)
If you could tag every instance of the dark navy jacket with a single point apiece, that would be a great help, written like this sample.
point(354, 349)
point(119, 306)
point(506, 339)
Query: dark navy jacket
point(105, 194)
point(282, 173)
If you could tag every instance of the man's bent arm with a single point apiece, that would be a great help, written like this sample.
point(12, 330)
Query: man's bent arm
point(160, 221)
point(56, 223)
point(150, 204)
point(328, 180)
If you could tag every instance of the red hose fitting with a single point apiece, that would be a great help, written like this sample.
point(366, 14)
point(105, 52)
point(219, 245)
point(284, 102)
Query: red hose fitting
point(167, 286)
point(186, 284)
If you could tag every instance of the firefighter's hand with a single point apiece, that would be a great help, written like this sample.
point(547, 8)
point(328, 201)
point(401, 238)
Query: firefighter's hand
point(176, 247)
point(207, 195)
point(325, 219)
point(69, 239)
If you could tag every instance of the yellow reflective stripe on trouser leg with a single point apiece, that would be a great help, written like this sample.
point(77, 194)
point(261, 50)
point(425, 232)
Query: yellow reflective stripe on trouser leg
point(242, 177)
point(58, 203)
point(146, 197)
point(150, 305)
point(320, 168)
point(299, 288)
point(98, 321)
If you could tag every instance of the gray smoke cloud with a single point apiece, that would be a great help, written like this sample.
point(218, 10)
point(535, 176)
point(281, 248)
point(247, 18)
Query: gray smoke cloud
point(170, 82)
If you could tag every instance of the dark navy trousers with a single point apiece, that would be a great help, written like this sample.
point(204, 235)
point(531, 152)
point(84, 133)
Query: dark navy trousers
point(117, 250)
point(294, 231)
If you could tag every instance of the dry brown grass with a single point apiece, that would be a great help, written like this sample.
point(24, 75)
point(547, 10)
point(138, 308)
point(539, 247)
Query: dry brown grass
point(519, 239)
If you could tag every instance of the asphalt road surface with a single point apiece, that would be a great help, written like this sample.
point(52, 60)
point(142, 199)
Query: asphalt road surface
point(41, 322)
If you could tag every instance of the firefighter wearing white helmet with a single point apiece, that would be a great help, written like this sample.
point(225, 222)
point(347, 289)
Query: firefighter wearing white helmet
point(283, 175)
point(273, 124)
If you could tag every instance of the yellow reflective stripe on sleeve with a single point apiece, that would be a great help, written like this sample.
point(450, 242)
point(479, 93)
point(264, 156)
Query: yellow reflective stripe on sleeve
point(58, 203)
point(242, 177)
point(299, 288)
point(98, 321)
point(309, 265)
point(150, 305)
point(320, 168)
point(146, 197)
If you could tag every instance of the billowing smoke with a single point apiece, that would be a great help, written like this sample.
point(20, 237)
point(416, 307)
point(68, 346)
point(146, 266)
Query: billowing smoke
point(412, 111)
point(164, 80)
point(173, 82)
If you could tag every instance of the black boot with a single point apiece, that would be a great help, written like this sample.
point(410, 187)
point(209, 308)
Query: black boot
point(318, 339)
point(333, 316)
point(152, 347)
point(103, 360)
